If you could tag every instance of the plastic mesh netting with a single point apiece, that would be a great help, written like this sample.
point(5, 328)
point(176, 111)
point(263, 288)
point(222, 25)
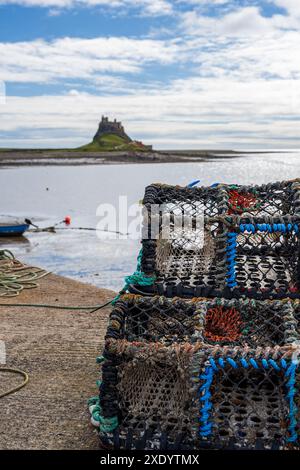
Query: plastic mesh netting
point(184, 374)
point(224, 240)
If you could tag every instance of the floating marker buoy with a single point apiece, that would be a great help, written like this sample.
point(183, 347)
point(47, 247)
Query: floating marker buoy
point(67, 220)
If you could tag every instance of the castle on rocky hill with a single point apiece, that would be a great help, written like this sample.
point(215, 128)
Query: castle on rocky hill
point(111, 127)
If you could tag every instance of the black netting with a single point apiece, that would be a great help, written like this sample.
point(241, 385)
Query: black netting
point(190, 257)
point(210, 357)
point(267, 262)
point(274, 199)
point(176, 368)
point(228, 240)
point(236, 322)
point(249, 408)
point(155, 396)
point(160, 398)
point(152, 396)
point(296, 308)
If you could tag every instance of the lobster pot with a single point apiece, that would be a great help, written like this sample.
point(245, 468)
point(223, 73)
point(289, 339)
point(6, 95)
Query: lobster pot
point(153, 397)
point(226, 240)
point(186, 374)
point(238, 322)
point(189, 397)
point(248, 399)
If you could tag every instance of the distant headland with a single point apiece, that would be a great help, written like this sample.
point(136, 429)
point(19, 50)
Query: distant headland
point(111, 136)
point(110, 145)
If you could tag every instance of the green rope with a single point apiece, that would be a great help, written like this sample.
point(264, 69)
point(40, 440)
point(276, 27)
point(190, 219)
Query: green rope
point(100, 359)
point(59, 307)
point(93, 401)
point(138, 277)
point(15, 276)
point(105, 424)
point(18, 387)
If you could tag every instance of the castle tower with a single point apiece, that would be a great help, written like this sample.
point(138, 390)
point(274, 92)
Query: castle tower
point(111, 127)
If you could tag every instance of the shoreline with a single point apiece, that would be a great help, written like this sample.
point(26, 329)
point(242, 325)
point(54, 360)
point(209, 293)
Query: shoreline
point(19, 157)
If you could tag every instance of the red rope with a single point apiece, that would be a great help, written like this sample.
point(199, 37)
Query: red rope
point(240, 202)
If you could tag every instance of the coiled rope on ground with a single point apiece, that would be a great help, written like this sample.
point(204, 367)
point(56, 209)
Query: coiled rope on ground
point(16, 276)
point(18, 387)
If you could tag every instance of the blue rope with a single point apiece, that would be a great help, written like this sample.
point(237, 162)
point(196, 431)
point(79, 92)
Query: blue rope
point(213, 364)
point(232, 363)
point(221, 362)
point(273, 364)
point(231, 255)
point(193, 183)
point(244, 363)
point(205, 402)
point(207, 377)
point(253, 363)
point(269, 228)
point(291, 373)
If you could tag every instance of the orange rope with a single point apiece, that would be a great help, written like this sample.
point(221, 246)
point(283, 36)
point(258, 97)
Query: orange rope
point(223, 324)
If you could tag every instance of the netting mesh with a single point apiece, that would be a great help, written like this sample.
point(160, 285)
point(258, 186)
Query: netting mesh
point(215, 321)
point(248, 241)
point(155, 397)
point(267, 262)
point(188, 255)
point(249, 406)
point(202, 373)
point(263, 201)
point(213, 360)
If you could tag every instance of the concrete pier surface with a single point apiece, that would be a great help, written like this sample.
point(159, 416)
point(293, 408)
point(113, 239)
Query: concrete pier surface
point(57, 348)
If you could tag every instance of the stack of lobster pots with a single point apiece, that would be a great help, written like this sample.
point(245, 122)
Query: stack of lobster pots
point(202, 346)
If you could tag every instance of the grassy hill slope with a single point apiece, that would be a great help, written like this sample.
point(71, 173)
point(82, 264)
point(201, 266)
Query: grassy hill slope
point(110, 142)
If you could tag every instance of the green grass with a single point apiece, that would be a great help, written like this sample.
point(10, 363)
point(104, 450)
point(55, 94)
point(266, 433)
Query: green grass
point(108, 143)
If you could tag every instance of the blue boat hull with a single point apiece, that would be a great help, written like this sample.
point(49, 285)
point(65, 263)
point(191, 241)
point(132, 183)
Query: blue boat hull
point(13, 230)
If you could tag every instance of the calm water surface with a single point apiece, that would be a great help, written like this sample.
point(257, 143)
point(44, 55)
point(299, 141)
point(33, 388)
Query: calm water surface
point(77, 191)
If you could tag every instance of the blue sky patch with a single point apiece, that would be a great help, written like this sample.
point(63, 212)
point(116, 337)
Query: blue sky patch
point(184, 73)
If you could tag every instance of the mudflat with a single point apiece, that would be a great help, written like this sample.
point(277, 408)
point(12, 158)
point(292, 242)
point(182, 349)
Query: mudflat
point(69, 157)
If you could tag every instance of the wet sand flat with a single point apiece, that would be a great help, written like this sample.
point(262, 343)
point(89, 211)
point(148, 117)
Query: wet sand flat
point(68, 157)
point(58, 349)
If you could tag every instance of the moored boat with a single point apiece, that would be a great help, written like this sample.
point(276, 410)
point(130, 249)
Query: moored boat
point(12, 227)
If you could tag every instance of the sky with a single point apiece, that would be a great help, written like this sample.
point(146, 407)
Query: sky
point(207, 74)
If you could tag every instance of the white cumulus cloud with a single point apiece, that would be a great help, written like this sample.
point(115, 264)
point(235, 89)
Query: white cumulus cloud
point(70, 58)
point(147, 7)
point(239, 84)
